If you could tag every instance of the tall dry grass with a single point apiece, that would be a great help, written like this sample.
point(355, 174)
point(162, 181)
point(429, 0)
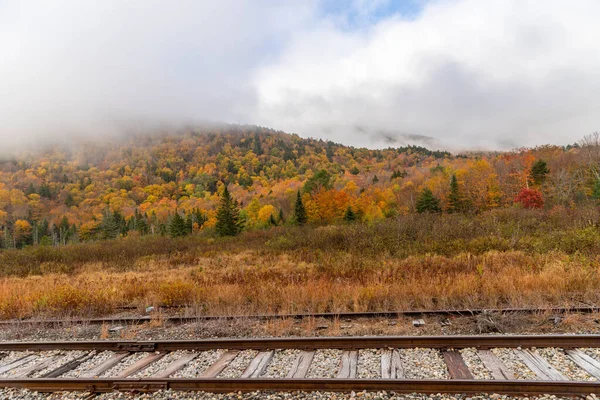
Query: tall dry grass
point(502, 258)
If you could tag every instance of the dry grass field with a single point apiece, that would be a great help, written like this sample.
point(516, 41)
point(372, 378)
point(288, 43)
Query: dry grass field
point(502, 258)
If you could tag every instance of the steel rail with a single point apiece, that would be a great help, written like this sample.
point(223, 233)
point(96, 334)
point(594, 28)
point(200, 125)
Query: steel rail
point(511, 387)
point(437, 342)
point(266, 317)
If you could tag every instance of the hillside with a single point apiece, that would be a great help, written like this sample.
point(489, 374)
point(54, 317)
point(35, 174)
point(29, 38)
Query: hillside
point(134, 185)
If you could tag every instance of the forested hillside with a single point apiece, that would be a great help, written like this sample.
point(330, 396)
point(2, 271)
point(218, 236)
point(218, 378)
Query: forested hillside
point(139, 184)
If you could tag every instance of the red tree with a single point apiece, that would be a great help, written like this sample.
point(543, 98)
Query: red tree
point(530, 198)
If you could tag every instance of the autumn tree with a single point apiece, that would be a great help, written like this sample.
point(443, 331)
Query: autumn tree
point(427, 202)
point(530, 198)
point(229, 222)
point(300, 216)
point(321, 180)
point(22, 235)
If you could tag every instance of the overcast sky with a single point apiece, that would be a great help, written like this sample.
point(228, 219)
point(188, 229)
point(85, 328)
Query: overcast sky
point(477, 74)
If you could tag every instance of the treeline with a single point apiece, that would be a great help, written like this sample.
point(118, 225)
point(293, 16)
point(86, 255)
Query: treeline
point(174, 183)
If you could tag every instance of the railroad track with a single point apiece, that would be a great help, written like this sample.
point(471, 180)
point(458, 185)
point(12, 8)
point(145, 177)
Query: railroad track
point(518, 365)
point(181, 319)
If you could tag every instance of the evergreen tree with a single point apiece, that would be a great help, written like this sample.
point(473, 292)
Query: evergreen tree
point(64, 230)
point(299, 211)
point(281, 218)
point(398, 174)
point(189, 223)
point(229, 222)
point(140, 224)
point(177, 226)
point(109, 227)
point(30, 190)
point(69, 201)
point(272, 220)
point(45, 191)
point(454, 198)
point(596, 189)
point(427, 202)
point(375, 179)
point(539, 171)
point(43, 229)
point(350, 215)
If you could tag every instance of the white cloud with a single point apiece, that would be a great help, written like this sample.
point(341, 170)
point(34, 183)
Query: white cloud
point(469, 73)
point(85, 67)
point(466, 73)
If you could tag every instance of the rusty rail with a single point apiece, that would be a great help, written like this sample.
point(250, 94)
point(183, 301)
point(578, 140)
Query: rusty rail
point(180, 319)
point(366, 342)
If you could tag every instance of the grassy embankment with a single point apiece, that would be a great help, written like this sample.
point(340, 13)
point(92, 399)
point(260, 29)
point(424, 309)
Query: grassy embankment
point(495, 259)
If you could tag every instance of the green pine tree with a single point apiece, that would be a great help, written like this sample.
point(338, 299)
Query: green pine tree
point(109, 227)
point(229, 222)
point(350, 215)
point(177, 226)
point(299, 211)
point(69, 201)
point(427, 202)
point(454, 198)
point(539, 170)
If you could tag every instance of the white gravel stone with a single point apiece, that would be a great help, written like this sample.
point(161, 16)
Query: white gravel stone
point(369, 364)
point(423, 364)
point(124, 364)
point(89, 364)
point(563, 364)
point(592, 352)
point(476, 366)
point(238, 365)
point(281, 363)
point(67, 356)
point(199, 364)
point(160, 364)
point(514, 363)
point(325, 364)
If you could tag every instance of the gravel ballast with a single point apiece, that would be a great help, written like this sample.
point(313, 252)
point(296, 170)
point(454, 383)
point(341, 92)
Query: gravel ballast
point(281, 363)
point(88, 365)
point(159, 364)
point(124, 364)
point(325, 364)
point(369, 364)
point(514, 363)
point(563, 364)
point(423, 364)
point(199, 364)
point(236, 368)
point(476, 366)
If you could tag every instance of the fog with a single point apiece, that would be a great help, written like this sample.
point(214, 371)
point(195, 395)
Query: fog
point(464, 74)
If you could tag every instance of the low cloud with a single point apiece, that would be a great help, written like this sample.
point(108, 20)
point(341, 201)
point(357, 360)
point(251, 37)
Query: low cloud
point(462, 74)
